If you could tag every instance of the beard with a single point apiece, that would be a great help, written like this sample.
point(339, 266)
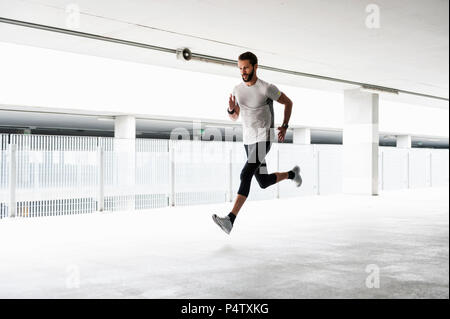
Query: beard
point(250, 76)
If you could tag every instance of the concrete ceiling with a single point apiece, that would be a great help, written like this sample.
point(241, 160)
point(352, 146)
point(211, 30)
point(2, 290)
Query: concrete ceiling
point(409, 51)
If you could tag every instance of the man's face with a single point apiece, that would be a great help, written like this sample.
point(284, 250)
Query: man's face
point(247, 70)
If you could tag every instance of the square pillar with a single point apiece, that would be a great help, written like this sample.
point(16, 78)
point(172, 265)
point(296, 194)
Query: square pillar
point(125, 155)
point(360, 139)
point(404, 141)
point(125, 127)
point(301, 136)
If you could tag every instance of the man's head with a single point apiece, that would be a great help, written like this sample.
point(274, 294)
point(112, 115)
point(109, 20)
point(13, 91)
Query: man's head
point(247, 63)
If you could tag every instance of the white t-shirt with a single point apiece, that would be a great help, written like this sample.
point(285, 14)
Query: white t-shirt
point(256, 110)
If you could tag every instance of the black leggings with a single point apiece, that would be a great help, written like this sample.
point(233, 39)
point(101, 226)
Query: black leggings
point(256, 166)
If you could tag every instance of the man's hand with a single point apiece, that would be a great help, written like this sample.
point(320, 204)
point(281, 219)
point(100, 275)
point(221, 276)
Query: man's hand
point(233, 106)
point(232, 103)
point(281, 133)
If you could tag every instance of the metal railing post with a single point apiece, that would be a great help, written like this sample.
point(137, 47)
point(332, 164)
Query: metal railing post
point(101, 180)
point(408, 170)
point(431, 169)
point(230, 175)
point(316, 165)
point(171, 176)
point(12, 180)
point(382, 171)
point(278, 169)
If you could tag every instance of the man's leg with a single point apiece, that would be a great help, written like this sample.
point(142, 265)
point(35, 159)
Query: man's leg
point(283, 176)
point(226, 223)
point(265, 179)
point(247, 174)
point(239, 201)
point(255, 156)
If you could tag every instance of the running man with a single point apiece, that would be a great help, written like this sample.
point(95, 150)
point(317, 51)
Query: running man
point(253, 101)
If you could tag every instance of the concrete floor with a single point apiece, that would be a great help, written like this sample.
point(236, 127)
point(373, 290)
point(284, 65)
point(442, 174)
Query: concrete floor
point(306, 247)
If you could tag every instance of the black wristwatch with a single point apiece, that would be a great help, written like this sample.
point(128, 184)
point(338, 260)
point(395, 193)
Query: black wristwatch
point(285, 125)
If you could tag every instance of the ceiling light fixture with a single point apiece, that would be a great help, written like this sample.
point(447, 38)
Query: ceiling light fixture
point(377, 89)
point(104, 118)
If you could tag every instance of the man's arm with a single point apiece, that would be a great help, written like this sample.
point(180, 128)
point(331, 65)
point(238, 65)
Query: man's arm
point(283, 99)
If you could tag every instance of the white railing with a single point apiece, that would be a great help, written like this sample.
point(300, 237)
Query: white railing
point(60, 175)
point(199, 171)
point(55, 175)
point(4, 175)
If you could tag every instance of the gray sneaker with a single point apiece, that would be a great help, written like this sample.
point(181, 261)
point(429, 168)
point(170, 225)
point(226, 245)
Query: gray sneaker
point(223, 222)
point(297, 178)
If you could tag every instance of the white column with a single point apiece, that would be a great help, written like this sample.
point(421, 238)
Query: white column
point(404, 141)
point(302, 136)
point(125, 152)
point(360, 139)
point(125, 127)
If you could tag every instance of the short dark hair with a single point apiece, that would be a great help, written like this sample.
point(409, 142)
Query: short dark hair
point(249, 56)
